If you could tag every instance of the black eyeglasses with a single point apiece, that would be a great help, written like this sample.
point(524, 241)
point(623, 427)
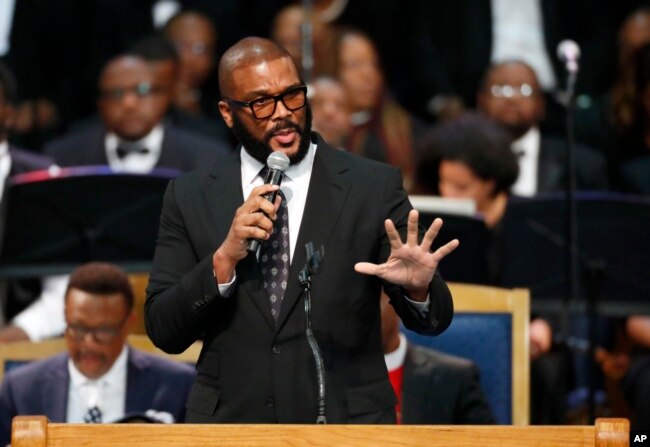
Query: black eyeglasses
point(264, 107)
point(101, 334)
point(140, 90)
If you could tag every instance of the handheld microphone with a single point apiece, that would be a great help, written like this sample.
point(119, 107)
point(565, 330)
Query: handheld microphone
point(569, 52)
point(277, 162)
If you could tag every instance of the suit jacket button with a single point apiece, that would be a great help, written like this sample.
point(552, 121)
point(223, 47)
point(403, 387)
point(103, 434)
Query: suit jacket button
point(270, 403)
point(276, 349)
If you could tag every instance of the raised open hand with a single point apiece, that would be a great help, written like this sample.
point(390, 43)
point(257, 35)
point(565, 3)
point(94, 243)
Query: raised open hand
point(411, 264)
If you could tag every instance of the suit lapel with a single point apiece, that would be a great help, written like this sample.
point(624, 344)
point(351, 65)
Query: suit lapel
point(55, 391)
point(136, 389)
point(328, 188)
point(224, 194)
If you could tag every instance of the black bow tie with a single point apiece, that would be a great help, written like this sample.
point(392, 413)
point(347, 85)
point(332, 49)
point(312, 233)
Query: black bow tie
point(123, 151)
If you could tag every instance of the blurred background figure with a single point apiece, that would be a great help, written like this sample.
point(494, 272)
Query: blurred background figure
point(14, 294)
point(163, 59)
point(381, 129)
point(286, 30)
point(100, 378)
point(470, 157)
point(133, 135)
point(195, 37)
point(450, 45)
point(431, 387)
point(511, 95)
point(331, 113)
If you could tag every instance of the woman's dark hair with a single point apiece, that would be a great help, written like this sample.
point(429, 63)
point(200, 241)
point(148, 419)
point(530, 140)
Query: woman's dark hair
point(474, 140)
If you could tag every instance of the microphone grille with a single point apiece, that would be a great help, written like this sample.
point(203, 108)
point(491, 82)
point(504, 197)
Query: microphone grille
point(568, 50)
point(277, 160)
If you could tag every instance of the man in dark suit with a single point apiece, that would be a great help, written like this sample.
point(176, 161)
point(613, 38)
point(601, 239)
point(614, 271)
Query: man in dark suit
point(511, 95)
point(431, 387)
point(133, 136)
point(256, 364)
point(99, 379)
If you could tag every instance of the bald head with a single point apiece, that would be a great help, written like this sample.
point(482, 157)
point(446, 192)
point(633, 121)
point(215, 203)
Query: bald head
point(248, 51)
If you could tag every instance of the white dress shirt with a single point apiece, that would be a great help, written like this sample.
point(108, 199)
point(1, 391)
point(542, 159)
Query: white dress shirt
point(527, 150)
point(396, 358)
point(5, 165)
point(6, 22)
point(518, 33)
point(135, 162)
point(108, 392)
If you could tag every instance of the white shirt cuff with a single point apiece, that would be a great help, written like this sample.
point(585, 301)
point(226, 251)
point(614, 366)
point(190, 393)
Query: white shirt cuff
point(422, 307)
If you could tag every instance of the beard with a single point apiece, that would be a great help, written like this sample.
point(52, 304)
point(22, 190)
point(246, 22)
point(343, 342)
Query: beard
point(260, 149)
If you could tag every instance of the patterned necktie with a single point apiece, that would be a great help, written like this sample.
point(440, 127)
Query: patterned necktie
point(274, 258)
point(93, 415)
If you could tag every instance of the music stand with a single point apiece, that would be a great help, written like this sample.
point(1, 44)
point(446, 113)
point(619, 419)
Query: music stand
point(58, 219)
point(469, 262)
point(613, 249)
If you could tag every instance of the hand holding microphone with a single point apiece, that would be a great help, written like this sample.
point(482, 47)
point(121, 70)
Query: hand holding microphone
point(253, 221)
point(276, 163)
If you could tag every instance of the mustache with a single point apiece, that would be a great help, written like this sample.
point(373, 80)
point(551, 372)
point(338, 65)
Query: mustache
point(282, 125)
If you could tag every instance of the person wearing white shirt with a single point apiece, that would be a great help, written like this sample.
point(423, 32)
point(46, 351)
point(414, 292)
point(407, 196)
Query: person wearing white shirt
point(511, 95)
point(100, 378)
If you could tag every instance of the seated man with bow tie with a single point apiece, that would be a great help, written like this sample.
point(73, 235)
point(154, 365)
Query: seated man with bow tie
point(133, 135)
point(100, 378)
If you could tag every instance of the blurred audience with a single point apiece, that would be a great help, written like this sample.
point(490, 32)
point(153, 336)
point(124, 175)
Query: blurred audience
point(195, 37)
point(14, 294)
point(449, 46)
point(431, 387)
point(287, 30)
point(381, 129)
point(163, 59)
point(331, 113)
point(511, 95)
point(470, 157)
point(100, 378)
point(636, 383)
point(133, 136)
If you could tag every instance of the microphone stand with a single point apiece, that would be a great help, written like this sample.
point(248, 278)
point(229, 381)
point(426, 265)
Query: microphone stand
point(571, 250)
point(314, 259)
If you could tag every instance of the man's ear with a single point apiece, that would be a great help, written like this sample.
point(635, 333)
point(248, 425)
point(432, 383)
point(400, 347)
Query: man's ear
point(226, 112)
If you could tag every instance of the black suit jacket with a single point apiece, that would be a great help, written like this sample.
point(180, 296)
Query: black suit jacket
point(251, 370)
point(442, 389)
point(181, 150)
point(591, 167)
point(20, 292)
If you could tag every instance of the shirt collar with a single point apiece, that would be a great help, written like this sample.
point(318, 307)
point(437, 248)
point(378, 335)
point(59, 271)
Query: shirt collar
point(396, 358)
point(115, 375)
point(4, 148)
point(298, 172)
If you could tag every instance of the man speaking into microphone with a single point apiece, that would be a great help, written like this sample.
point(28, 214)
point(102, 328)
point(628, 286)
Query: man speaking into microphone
point(256, 365)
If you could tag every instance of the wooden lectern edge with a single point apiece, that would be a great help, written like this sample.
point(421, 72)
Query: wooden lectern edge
point(36, 431)
point(31, 430)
